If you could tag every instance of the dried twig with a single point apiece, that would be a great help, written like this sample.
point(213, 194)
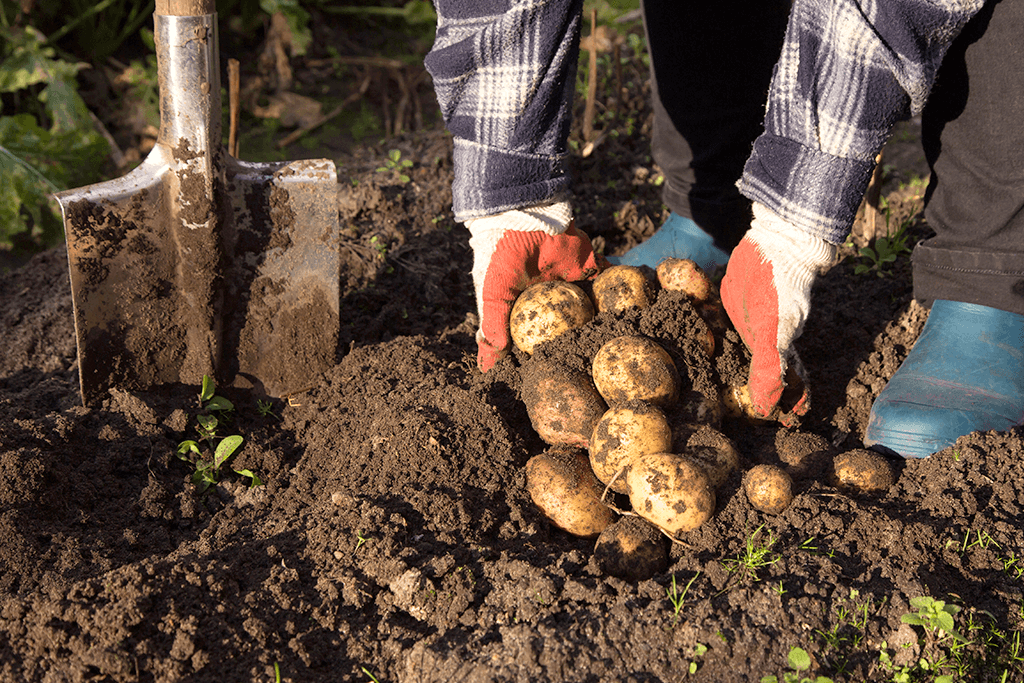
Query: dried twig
point(296, 134)
point(233, 107)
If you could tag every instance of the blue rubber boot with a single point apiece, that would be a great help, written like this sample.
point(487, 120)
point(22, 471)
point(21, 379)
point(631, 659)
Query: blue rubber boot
point(678, 237)
point(964, 374)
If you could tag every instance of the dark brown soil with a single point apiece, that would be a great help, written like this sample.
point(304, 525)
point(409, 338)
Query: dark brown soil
point(394, 539)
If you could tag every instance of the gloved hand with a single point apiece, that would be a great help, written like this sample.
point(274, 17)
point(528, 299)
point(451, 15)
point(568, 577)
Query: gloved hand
point(514, 250)
point(767, 294)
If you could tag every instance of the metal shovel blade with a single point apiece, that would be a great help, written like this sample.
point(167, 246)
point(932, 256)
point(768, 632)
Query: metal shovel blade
point(196, 263)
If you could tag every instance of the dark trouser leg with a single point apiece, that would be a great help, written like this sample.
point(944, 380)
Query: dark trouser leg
point(712, 64)
point(973, 135)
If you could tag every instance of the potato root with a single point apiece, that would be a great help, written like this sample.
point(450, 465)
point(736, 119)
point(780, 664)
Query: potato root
point(631, 368)
point(670, 492)
point(563, 487)
point(862, 471)
point(621, 288)
point(623, 433)
point(545, 311)
point(564, 405)
point(769, 488)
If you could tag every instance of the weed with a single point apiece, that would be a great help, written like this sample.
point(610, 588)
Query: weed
point(266, 408)
point(207, 473)
point(277, 673)
point(886, 250)
point(382, 248)
point(370, 675)
point(677, 597)
point(699, 650)
point(780, 589)
point(394, 163)
point(754, 556)
point(360, 540)
point(799, 661)
point(935, 616)
point(982, 539)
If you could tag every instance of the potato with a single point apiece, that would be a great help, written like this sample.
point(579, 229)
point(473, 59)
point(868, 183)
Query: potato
point(563, 487)
point(670, 492)
point(623, 433)
point(768, 488)
point(862, 471)
point(715, 452)
point(684, 275)
point(635, 368)
point(621, 288)
point(546, 310)
point(737, 403)
point(631, 549)
point(802, 454)
point(563, 405)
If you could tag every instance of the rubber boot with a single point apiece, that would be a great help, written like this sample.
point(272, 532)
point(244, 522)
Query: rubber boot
point(678, 237)
point(964, 374)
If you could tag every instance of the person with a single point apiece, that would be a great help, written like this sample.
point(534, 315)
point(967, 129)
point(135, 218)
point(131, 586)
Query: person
point(845, 75)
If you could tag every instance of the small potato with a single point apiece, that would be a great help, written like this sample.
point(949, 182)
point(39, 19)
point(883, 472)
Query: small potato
point(621, 288)
point(802, 454)
point(563, 487)
point(862, 471)
point(631, 549)
point(737, 403)
point(769, 489)
point(623, 433)
point(563, 405)
point(715, 452)
point(670, 492)
point(635, 368)
point(546, 310)
point(684, 275)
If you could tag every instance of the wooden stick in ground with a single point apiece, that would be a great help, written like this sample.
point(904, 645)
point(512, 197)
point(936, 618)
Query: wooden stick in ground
point(872, 198)
point(296, 134)
point(588, 112)
point(233, 99)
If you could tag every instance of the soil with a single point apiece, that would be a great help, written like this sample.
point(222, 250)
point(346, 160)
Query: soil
point(393, 538)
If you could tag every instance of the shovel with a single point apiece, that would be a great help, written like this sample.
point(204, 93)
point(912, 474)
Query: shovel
point(196, 263)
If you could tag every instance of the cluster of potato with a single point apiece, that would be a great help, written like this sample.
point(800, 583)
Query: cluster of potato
point(607, 428)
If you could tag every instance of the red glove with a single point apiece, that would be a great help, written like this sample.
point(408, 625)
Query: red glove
point(767, 294)
point(514, 250)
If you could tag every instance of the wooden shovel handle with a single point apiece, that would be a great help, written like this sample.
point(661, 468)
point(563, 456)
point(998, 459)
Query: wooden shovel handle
point(185, 8)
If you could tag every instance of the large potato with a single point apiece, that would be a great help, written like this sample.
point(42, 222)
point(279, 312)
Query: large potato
point(621, 288)
point(563, 487)
point(563, 405)
point(546, 310)
point(623, 433)
point(670, 492)
point(632, 368)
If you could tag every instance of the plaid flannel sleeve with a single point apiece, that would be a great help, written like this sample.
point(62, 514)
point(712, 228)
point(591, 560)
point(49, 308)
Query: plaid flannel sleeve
point(848, 72)
point(503, 73)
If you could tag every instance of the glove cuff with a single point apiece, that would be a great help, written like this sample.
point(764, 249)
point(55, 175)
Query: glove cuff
point(798, 256)
point(554, 219)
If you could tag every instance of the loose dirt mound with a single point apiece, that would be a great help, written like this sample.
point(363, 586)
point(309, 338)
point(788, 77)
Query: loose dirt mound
point(394, 536)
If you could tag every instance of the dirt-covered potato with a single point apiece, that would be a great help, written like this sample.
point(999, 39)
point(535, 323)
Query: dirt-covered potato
point(631, 549)
point(670, 492)
point(802, 454)
point(623, 433)
point(621, 288)
point(737, 403)
point(715, 452)
point(631, 368)
point(768, 488)
point(862, 471)
point(546, 310)
point(563, 487)
point(684, 275)
point(563, 405)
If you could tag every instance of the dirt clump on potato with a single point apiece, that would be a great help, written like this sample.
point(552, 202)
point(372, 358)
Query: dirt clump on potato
point(623, 433)
point(802, 454)
point(563, 405)
point(671, 492)
point(561, 484)
point(633, 367)
point(631, 549)
point(547, 310)
point(621, 288)
point(862, 471)
point(768, 488)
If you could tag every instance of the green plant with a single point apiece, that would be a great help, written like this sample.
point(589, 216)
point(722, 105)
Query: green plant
point(799, 661)
point(266, 408)
point(370, 675)
point(50, 145)
point(754, 556)
point(886, 250)
point(360, 540)
point(935, 616)
point(699, 650)
point(677, 597)
point(394, 163)
point(207, 472)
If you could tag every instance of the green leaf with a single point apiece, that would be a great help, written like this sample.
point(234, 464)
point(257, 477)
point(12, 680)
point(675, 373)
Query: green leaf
point(225, 449)
point(769, 679)
point(208, 423)
point(219, 403)
point(799, 659)
point(188, 447)
point(206, 393)
point(913, 620)
point(256, 481)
